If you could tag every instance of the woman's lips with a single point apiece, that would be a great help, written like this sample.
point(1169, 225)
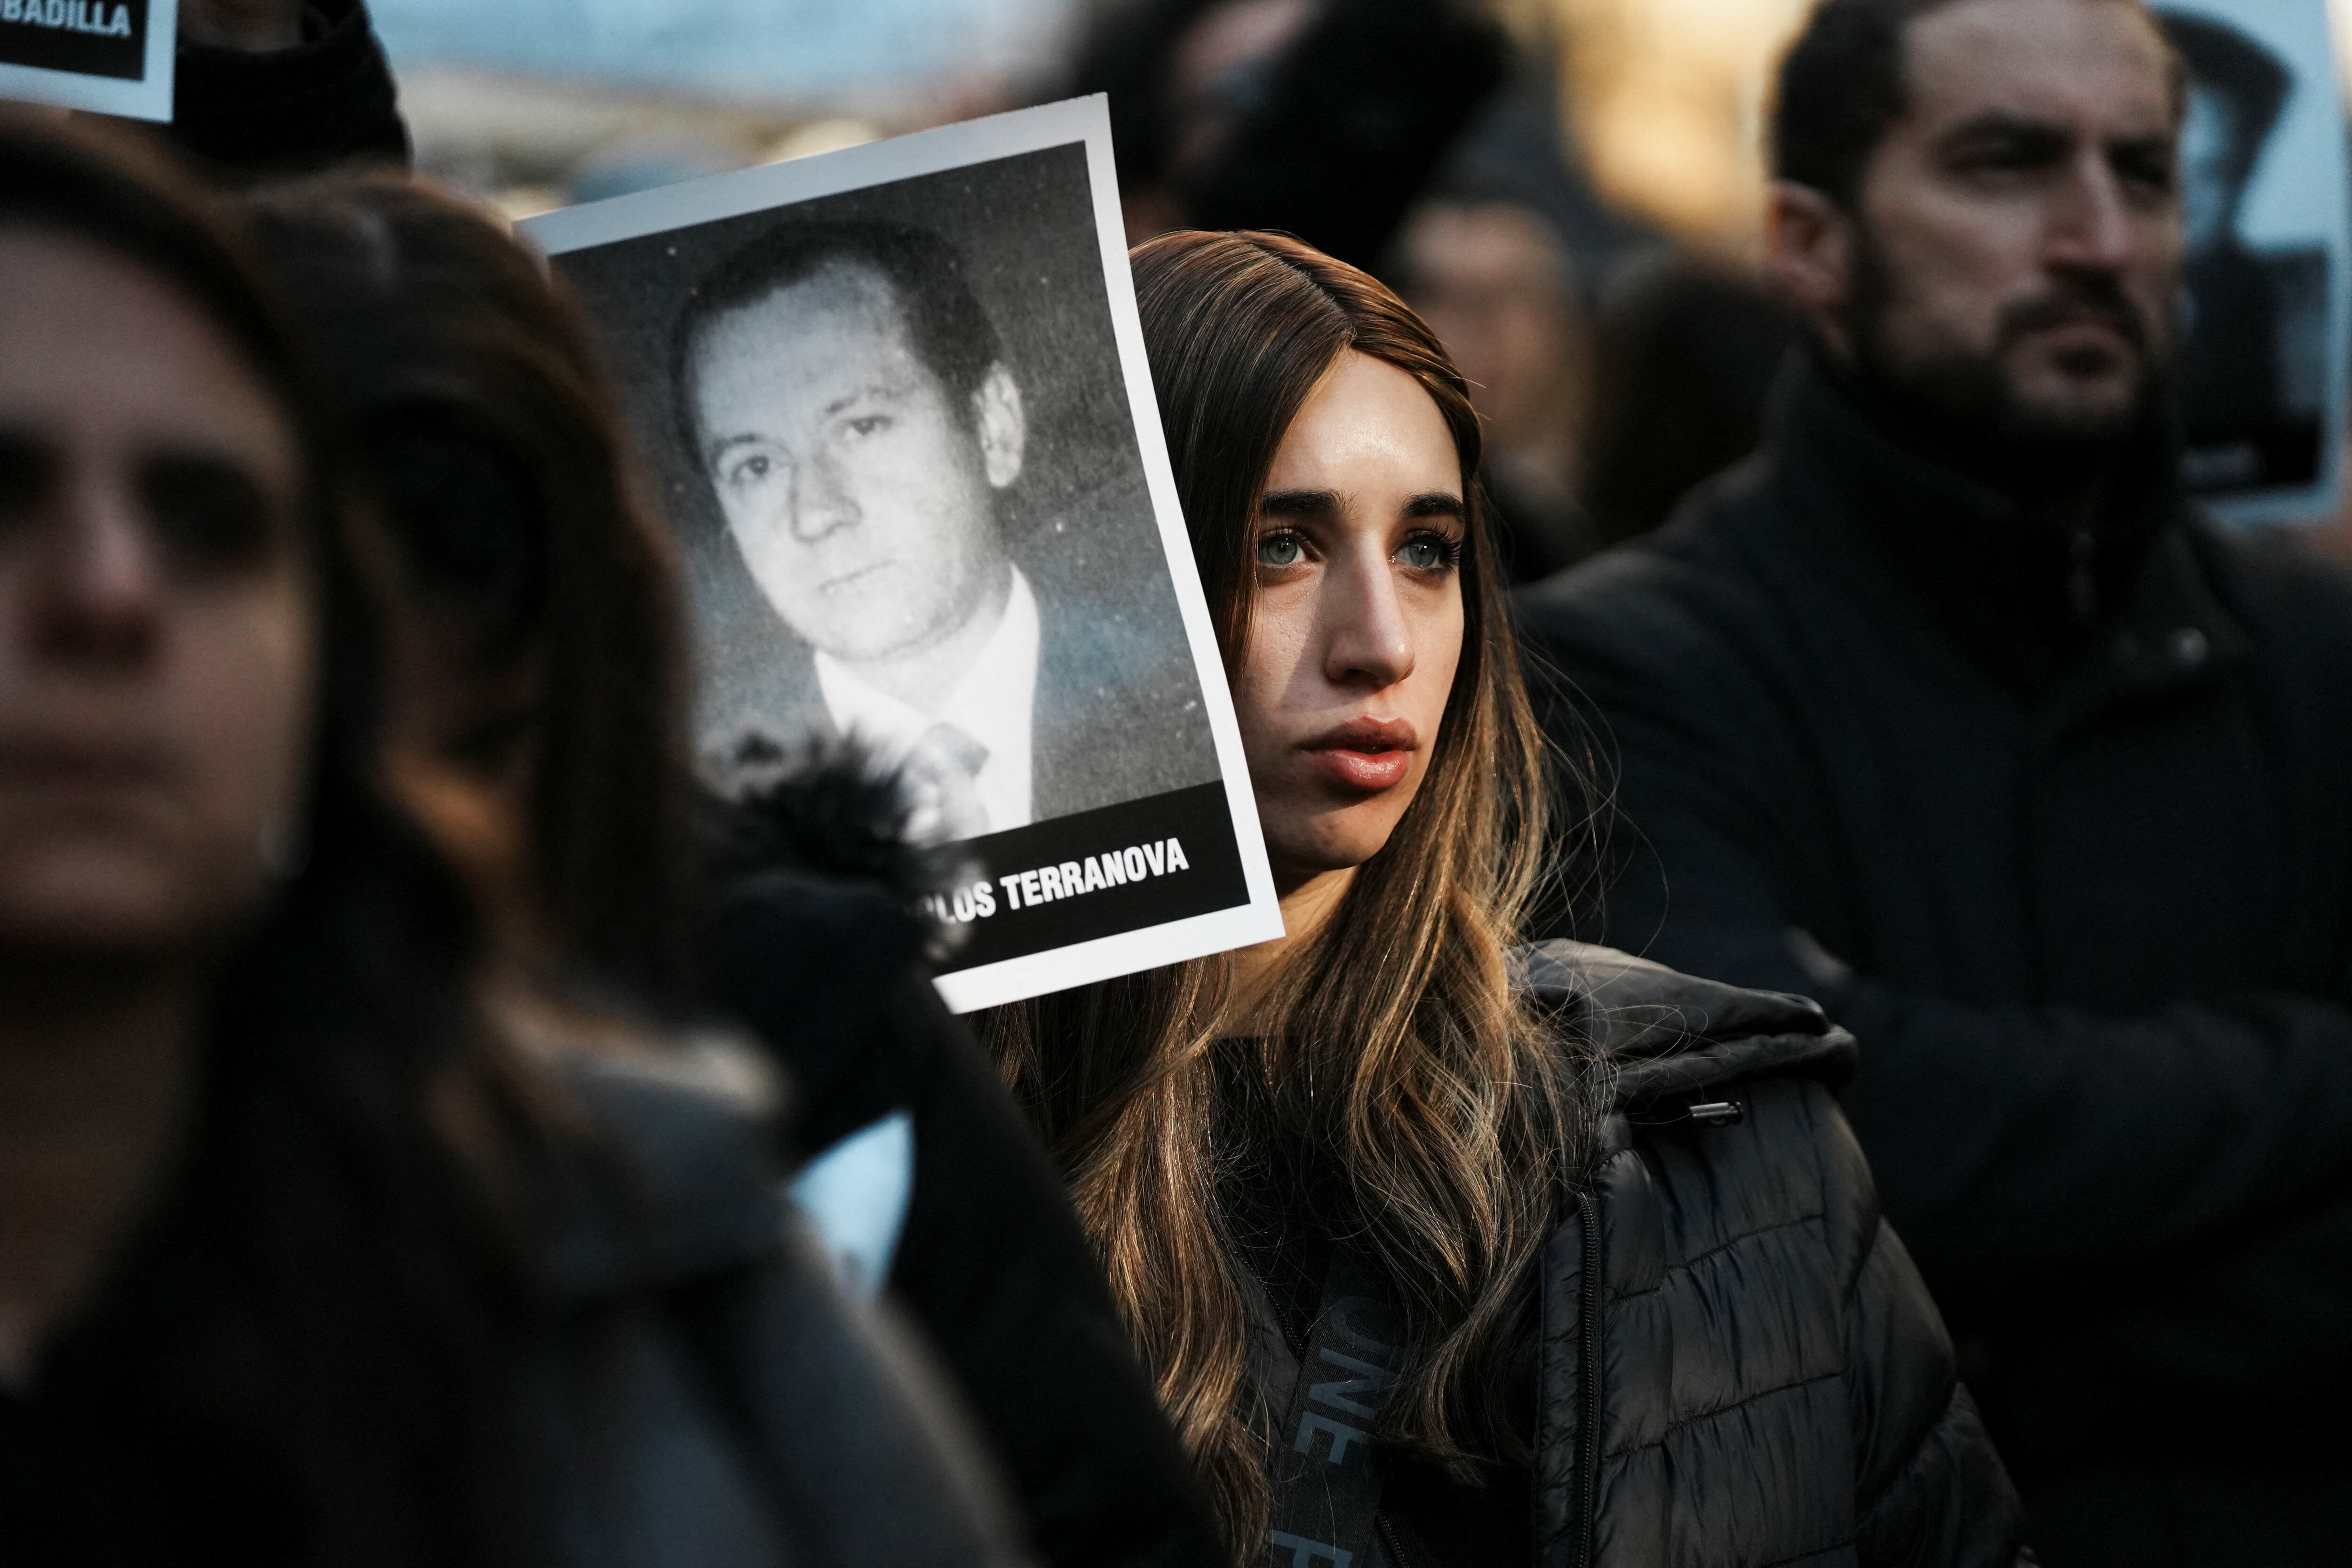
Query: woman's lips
point(1367, 754)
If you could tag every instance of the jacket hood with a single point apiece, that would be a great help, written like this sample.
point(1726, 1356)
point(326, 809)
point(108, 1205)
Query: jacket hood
point(1663, 1032)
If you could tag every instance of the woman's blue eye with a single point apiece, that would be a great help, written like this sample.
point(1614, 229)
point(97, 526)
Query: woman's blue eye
point(1428, 552)
point(1279, 550)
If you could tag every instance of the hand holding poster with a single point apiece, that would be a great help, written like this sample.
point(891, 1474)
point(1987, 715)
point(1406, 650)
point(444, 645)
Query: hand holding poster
point(110, 55)
point(896, 401)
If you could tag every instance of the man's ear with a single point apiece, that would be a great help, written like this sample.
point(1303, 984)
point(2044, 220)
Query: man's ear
point(1004, 425)
point(1809, 255)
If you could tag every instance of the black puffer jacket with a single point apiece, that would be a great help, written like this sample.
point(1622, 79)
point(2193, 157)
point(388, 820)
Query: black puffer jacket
point(1774, 1385)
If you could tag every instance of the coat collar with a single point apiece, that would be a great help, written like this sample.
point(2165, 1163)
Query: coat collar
point(2043, 606)
point(1663, 1032)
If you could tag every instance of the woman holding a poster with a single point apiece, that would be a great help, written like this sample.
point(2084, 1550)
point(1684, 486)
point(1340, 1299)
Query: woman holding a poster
point(1440, 1251)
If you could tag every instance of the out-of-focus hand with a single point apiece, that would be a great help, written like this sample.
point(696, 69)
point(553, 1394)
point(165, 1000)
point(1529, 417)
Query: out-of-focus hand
point(254, 26)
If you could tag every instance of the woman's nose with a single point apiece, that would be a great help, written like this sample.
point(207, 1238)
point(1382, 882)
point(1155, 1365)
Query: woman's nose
point(96, 578)
point(1369, 634)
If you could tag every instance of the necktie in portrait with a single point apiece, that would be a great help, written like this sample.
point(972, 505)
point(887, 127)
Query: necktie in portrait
point(943, 775)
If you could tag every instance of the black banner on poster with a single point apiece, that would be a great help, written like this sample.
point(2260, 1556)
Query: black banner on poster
point(1119, 868)
point(87, 38)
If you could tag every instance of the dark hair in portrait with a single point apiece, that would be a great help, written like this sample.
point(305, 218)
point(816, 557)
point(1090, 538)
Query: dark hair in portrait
point(1841, 87)
point(926, 273)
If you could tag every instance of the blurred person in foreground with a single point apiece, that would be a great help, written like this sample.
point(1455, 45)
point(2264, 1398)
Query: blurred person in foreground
point(1446, 1251)
point(322, 1246)
point(538, 695)
point(1951, 711)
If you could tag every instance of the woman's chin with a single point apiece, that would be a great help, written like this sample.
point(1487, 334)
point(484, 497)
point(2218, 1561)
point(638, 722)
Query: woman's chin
point(1334, 839)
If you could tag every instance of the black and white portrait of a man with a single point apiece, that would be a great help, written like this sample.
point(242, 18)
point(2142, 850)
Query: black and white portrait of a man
point(909, 501)
point(852, 408)
point(894, 405)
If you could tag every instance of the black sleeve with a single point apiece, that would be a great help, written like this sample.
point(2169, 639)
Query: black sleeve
point(863, 1457)
point(993, 1265)
point(990, 1263)
point(1929, 1490)
point(2025, 1152)
point(329, 100)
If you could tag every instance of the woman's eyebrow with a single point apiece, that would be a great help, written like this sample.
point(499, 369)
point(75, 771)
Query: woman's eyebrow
point(1435, 503)
point(1298, 503)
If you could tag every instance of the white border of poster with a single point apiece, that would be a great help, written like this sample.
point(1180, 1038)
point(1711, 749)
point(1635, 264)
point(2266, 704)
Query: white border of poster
point(1255, 915)
point(2298, 195)
point(149, 97)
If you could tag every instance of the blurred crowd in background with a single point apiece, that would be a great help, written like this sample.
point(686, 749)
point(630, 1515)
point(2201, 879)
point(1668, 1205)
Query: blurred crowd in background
point(1569, 197)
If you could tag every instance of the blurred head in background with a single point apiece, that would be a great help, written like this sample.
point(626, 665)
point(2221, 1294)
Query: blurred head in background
point(1496, 283)
point(535, 663)
point(1687, 351)
point(1183, 75)
point(1977, 208)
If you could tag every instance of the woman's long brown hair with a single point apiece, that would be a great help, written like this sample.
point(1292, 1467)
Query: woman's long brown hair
point(1393, 1045)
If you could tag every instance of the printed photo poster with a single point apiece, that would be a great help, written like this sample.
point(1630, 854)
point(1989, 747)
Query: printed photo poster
point(113, 57)
point(2265, 350)
point(895, 404)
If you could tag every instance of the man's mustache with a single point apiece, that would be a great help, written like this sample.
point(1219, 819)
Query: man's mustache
point(2098, 299)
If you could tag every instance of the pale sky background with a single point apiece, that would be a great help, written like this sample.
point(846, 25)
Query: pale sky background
point(767, 48)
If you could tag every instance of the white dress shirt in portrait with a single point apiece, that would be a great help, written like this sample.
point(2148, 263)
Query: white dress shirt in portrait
point(990, 704)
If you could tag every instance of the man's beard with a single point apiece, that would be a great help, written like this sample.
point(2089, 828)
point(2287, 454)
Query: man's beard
point(1965, 400)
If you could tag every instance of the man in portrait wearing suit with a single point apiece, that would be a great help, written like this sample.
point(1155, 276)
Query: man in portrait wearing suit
point(848, 401)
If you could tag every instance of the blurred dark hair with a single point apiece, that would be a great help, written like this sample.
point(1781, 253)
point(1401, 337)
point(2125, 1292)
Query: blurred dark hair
point(337, 1306)
point(505, 474)
point(1840, 88)
point(1689, 350)
point(1124, 52)
point(949, 331)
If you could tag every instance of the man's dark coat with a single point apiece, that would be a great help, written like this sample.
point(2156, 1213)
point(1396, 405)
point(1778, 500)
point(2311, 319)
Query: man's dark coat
point(2066, 826)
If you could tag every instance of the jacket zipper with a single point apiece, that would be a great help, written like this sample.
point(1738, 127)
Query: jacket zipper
point(1588, 1457)
point(1389, 1539)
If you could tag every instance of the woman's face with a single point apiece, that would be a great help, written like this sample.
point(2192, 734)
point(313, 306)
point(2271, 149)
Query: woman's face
point(1356, 629)
point(157, 637)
